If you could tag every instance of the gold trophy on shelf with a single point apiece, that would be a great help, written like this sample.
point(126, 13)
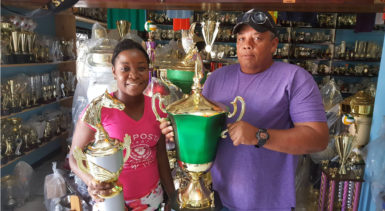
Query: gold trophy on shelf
point(344, 143)
point(198, 124)
point(123, 27)
point(104, 156)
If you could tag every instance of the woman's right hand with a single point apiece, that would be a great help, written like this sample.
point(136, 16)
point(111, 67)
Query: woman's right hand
point(167, 130)
point(96, 189)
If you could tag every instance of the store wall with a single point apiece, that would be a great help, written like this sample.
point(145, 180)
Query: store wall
point(367, 201)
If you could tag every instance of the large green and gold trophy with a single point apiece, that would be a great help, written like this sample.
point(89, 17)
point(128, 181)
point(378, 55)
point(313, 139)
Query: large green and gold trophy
point(198, 124)
point(104, 156)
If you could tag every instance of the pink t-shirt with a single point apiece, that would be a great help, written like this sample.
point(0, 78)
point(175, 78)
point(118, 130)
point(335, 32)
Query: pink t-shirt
point(140, 172)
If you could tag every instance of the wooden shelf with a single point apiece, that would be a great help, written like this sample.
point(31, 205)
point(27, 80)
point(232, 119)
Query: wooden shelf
point(37, 107)
point(89, 20)
point(36, 64)
point(35, 155)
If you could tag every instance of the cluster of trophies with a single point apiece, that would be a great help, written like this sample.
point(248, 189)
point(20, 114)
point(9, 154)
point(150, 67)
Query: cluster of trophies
point(222, 51)
point(310, 37)
point(302, 52)
point(166, 34)
point(159, 18)
point(341, 182)
point(99, 14)
point(18, 138)
point(346, 21)
point(356, 70)
point(363, 51)
point(23, 91)
point(20, 44)
point(320, 68)
point(225, 35)
point(228, 18)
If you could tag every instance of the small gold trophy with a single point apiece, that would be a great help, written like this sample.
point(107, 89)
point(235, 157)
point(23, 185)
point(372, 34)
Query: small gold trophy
point(123, 27)
point(104, 157)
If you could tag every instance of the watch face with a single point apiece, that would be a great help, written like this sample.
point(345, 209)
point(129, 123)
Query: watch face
point(263, 135)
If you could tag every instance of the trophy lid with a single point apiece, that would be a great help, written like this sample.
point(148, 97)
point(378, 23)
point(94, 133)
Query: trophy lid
point(362, 103)
point(196, 104)
point(101, 53)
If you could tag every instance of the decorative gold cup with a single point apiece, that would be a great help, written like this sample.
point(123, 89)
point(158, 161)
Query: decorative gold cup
point(344, 145)
point(123, 27)
point(104, 157)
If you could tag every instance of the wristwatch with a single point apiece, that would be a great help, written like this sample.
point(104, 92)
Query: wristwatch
point(262, 137)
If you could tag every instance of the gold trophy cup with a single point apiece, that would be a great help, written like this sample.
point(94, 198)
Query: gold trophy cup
point(123, 27)
point(344, 143)
point(104, 157)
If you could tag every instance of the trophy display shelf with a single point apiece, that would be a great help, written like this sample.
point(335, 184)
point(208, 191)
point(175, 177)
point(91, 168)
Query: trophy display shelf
point(89, 20)
point(33, 156)
point(35, 64)
point(37, 107)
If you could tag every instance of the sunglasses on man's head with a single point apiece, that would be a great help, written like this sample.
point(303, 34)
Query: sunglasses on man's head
point(256, 17)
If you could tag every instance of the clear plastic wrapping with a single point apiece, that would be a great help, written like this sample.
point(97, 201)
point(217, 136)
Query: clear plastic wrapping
point(375, 167)
point(330, 94)
point(23, 173)
point(331, 98)
point(54, 188)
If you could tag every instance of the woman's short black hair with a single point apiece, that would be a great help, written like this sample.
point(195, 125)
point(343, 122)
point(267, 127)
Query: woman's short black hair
point(128, 44)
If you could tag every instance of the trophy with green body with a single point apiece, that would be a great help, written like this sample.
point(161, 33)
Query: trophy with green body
point(198, 124)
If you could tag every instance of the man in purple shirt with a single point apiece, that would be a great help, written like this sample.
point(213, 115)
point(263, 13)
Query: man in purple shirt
point(255, 166)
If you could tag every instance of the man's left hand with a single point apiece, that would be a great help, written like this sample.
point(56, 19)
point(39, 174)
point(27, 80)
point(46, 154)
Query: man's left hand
point(242, 132)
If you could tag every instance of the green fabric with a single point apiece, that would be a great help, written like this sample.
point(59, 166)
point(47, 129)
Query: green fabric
point(136, 17)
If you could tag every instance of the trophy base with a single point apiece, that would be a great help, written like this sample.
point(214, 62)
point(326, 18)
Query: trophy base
point(176, 206)
point(115, 203)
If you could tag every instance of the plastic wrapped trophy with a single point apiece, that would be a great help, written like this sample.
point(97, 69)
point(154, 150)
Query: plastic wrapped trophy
point(181, 74)
point(104, 156)
point(198, 124)
point(361, 105)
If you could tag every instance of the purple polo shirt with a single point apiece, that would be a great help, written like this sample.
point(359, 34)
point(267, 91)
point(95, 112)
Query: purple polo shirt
point(248, 178)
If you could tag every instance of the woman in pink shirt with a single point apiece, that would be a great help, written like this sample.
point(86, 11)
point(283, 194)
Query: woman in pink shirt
point(146, 173)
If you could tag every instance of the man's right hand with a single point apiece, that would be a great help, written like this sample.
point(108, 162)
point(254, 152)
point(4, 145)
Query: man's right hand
point(167, 130)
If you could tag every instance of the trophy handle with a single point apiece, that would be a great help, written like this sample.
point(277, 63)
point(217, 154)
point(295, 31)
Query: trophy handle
point(126, 145)
point(157, 95)
point(234, 102)
point(80, 158)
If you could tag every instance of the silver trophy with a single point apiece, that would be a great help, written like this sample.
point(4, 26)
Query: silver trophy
point(210, 31)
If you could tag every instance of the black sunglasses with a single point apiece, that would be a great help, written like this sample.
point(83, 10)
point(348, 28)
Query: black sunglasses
point(256, 17)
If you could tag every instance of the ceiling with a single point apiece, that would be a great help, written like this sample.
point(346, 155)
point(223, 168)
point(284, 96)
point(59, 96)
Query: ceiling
point(356, 6)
